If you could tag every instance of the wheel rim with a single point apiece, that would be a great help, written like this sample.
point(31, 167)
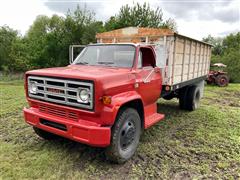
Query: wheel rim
point(127, 134)
point(223, 81)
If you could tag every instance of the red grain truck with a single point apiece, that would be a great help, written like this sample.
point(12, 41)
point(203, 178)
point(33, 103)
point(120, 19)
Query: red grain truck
point(108, 95)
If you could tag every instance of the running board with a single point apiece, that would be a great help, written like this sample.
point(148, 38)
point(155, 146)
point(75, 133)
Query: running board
point(151, 120)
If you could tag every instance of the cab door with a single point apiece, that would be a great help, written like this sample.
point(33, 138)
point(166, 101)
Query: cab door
point(148, 76)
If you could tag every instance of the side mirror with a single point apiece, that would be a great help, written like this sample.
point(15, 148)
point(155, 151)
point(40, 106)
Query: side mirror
point(70, 54)
point(74, 50)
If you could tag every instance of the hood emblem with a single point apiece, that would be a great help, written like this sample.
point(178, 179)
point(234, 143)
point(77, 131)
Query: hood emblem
point(57, 91)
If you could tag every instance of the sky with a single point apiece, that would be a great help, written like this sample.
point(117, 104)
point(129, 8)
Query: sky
point(194, 18)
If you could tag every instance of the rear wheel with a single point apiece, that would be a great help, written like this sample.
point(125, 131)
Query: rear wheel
point(125, 136)
point(183, 97)
point(193, 98)
point(222, 80)
point(44, 134)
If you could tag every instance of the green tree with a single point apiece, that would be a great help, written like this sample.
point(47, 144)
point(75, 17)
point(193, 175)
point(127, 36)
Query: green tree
point(90, 32)
point(231, 56)
point(13, 51)
point(232, 60)
point(227, 51)
point(49, 37)
point(217, 44)
point(37, 42)
point(7, 38)
point(139, 16)
point(76, 24)
point(19, 55)
point(231, 43)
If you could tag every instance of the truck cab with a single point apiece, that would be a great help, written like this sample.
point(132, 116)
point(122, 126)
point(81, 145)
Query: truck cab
point(105, 98)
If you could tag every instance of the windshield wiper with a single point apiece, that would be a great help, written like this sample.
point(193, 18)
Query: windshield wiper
point(83, 62)
point(104, 62)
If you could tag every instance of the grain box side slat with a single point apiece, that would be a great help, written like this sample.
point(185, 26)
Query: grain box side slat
point(183, 59)
point(189, 60)
point(172, 66)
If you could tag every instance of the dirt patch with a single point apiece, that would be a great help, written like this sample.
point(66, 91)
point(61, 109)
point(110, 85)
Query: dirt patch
point(224, 99)
point(183, 175)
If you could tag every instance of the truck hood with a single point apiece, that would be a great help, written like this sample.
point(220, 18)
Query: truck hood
point(108, 80)
point(81, 72)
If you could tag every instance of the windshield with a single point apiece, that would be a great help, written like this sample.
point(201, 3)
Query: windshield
point(107, 55)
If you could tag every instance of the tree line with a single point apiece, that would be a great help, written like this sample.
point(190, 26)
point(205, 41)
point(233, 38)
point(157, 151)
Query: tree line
point(46, 42)
point(227, 51)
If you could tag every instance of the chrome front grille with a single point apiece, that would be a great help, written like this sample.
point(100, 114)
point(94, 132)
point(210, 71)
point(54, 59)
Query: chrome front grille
point(60, 91)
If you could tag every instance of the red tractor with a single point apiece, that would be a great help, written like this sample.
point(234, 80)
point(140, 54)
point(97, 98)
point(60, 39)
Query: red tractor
point(217, 76)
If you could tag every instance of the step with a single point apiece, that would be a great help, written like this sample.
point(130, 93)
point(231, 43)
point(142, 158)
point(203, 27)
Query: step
point(154, 118)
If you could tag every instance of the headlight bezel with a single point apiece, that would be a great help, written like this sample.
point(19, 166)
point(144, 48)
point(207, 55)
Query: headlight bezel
point(80, 98)
point(30, 87)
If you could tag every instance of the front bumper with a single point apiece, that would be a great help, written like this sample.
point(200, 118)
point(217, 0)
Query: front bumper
point(82, 131)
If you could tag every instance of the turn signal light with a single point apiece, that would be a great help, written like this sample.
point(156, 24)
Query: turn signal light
point(167, 88)
point(107, 99)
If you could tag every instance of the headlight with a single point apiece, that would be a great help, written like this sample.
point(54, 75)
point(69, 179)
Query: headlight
point(83, 95)
point(33, 87)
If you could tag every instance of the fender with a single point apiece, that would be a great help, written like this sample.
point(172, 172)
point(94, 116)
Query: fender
point(110, 111)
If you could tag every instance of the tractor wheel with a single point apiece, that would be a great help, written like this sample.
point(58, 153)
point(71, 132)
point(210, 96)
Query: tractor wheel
point(222, 80)
point(125, 136)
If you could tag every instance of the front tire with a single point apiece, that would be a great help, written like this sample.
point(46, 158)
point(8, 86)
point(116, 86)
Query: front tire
point(125, 136)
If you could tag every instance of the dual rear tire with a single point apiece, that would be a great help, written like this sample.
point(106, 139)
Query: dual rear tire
point(189, 98)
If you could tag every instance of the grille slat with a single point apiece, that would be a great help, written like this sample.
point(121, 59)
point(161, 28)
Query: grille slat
point(61, 91)
point(56, 112)
point(59, 112)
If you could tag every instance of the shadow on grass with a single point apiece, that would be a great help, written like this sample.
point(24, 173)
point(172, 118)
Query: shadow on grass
point(168, 107)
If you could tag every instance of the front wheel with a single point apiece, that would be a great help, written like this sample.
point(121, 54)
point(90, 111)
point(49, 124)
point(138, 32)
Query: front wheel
point(125, 136)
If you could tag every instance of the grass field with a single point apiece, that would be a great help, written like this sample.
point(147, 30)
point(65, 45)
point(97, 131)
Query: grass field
point(186, 145)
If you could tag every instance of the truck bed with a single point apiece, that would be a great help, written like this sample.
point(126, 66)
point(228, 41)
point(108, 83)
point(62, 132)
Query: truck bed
point(181, 59)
